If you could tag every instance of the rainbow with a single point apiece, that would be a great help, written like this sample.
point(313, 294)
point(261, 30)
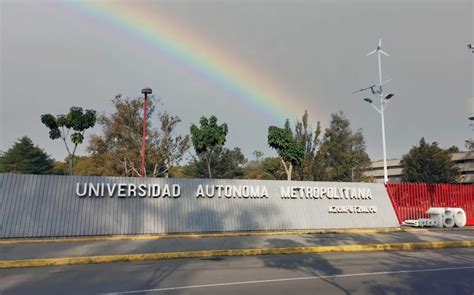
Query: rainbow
point(195, 52)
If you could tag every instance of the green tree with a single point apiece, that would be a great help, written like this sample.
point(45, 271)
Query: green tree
point(225, 163)
point(76, 121)
point(341, 156)
point(290, 151)
point(118, 149)
point(208, 140)
point(83, 166)
point(310, 140)
point(26, 158)
point(273, 169)
point(269, 168)
point(60, 168)
point(429, 163)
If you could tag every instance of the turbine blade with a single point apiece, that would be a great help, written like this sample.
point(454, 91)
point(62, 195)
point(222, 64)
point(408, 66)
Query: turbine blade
point(383, 52)
point(372, 52)
point(380, 42)
point(385, 82)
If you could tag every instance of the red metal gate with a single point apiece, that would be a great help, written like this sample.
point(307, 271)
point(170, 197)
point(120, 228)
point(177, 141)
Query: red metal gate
point(412, 200)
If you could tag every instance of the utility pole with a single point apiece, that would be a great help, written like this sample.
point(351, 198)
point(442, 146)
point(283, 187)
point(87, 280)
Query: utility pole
point(145, 91)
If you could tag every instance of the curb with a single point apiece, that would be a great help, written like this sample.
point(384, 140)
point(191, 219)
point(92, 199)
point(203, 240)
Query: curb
point(197, 235)
point(218, 235)
point(230, 252)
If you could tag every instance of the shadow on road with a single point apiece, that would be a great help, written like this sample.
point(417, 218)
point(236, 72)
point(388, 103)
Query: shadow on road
point(307, 264)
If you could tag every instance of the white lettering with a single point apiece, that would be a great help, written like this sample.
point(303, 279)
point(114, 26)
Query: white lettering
point(166, 191)
point(111, 189)
point(264, 192)
point(78, 192)
point(176, 191)
point(155, 191)
point(132, 190)
point(245, 191)
point(200, 192)
point(369, 194)
point(210, 191)
point(285, 192)
point(122, 190)
point(142, 190)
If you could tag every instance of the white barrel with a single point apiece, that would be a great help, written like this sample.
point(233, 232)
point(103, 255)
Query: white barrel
point(448, 217)
point(460, 217)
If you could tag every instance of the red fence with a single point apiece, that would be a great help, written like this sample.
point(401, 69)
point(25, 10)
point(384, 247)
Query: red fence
point(412, 200)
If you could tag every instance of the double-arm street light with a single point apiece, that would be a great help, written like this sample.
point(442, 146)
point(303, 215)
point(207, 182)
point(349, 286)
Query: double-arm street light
point(384, 99)
point(145, 91)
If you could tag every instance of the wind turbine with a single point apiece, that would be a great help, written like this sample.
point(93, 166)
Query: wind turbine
point(379, 51)
point(383, 102)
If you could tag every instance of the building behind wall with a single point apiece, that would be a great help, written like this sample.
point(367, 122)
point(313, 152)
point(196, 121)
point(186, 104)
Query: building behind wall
point(464, 160)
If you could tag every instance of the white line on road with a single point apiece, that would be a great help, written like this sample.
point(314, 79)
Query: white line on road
point(291, 279)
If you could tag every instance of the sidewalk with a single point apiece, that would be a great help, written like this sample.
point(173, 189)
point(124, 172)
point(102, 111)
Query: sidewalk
point(24, 251)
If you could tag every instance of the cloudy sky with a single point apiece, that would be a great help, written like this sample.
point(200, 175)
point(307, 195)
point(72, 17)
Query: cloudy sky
point(300, 54)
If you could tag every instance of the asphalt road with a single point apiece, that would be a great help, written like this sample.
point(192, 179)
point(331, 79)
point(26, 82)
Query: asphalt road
point(447, 271)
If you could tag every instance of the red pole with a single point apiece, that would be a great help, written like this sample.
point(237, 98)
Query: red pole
point(142, 168)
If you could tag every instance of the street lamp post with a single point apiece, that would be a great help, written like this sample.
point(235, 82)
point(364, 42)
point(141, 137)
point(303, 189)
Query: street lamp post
point(383, 103)
point(145, 91)
point(470, 143)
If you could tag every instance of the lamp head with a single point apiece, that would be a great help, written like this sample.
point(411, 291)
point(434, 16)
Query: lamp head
point(368, 100)
point(146, 90)
point(390, 95)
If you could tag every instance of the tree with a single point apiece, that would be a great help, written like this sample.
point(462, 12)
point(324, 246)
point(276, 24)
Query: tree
point(76, 121)
point(166, 148)
point(310, 140)
point(429, 163)
point(118, 148)
point(269, 168)
point(83, 166)
point(341, 156)
point(225, 163)
point(208, 139)
point(24, 157)
point(290, 151)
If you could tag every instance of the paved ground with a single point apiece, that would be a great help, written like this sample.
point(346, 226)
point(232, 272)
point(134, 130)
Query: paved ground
point(447, 271)
point(67, 249)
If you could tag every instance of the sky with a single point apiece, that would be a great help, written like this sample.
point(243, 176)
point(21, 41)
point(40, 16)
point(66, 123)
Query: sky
point(251, 63)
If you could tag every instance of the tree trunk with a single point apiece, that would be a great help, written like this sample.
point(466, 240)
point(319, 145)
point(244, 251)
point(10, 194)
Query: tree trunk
point(287, 169)
point(209, 169)
point(70, 166)
point(290, 171)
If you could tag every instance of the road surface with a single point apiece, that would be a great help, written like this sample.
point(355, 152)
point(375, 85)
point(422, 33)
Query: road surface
point(446, 271)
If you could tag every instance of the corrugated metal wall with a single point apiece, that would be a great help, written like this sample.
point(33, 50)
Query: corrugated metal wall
point(45, 206)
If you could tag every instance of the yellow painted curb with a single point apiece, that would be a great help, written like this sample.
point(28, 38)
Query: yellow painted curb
point(230, 252)
point(198, 235)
